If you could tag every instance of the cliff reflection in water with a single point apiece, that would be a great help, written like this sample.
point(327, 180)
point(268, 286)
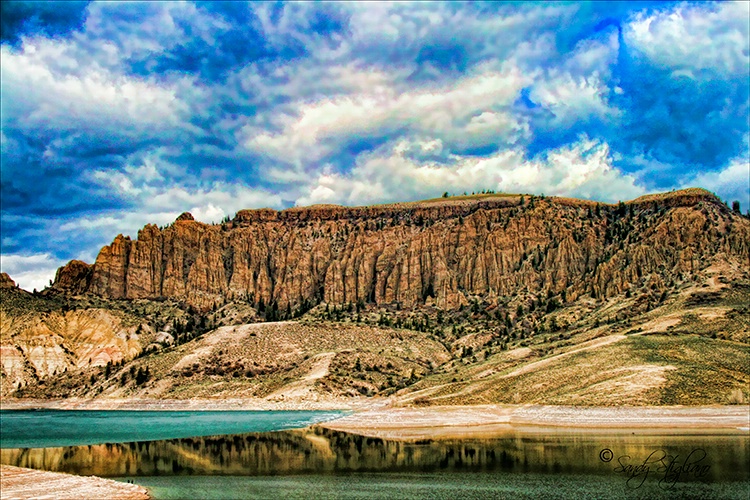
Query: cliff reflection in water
point(321, 450)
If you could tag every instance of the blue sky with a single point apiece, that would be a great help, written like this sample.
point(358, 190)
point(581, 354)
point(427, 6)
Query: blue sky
point(115, 115)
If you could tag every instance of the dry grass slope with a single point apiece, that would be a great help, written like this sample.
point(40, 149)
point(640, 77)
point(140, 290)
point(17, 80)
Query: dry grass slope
point(285, 361)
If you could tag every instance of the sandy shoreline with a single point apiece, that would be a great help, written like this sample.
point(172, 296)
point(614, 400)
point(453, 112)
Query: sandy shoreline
point(485, 420)
point(378, 418)
point(17, 482)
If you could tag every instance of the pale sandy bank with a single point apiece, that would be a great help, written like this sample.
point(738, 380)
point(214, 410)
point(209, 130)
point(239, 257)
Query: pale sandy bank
point(185, 404)
point(483, 420)
point(17, 482)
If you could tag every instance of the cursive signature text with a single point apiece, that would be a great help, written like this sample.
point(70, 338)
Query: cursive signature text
point(660, 464)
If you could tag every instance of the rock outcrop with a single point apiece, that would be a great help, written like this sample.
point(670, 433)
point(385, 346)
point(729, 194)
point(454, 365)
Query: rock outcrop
point(74, 277)
point(442, 252)
point(6, 281)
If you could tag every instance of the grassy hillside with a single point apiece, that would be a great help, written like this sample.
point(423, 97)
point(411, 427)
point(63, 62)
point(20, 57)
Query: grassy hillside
point(658, 369)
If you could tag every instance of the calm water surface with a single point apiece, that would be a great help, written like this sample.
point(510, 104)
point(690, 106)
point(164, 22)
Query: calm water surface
point(48, 428)
point(448, 486)
point(319, 463)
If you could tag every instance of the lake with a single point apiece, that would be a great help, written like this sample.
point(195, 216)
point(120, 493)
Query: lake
point(320, 463)
point(47, 428)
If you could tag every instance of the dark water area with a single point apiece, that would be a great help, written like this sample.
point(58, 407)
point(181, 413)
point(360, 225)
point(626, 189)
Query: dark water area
point(54, 428)
point(467, 485)
point(331, 464)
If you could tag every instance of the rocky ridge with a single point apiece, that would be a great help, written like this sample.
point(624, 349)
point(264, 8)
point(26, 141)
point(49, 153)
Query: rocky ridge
point(441, 252)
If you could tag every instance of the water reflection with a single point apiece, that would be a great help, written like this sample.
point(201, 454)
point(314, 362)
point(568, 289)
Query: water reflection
point(324, 451)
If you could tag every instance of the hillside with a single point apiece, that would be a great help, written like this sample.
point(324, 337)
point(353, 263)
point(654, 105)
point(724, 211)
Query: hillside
point(678, 353)
point(482, 299)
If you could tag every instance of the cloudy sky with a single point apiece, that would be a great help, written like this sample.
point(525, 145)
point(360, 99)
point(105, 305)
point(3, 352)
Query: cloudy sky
point(119, 114)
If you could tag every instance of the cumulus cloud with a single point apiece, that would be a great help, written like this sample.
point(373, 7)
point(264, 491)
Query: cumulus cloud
point(152, 199)
point(36, 97)
point(138, 33)
point(393, 28)
point(690, 39)
point(573, 99)
point(682, 74)
point(472, 111)
point(30, 272)
point(584, 169)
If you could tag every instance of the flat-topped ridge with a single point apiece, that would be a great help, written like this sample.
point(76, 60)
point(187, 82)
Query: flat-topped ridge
point(455, 205)
point(438, 251)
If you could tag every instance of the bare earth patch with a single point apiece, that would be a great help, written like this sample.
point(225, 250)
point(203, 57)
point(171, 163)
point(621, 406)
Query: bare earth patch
point(585, 346)
point(662, 323)
point(17, 482)
point(303, 389)
point(630, 380)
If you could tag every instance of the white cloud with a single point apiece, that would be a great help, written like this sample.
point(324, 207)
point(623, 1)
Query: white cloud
point(467, 113)
point(162, 206)
point(134, 180)
point(30, 271)
point(731, 183)
point(292, 21)
point(158, 201)
point(41, 91)
point(119, 222)
point(710, 36)
point(572, 99)
point(359, 102)
point(310, 80)
point(583, 169)
point(218, 200)
point(577, 88)
point(140, 31)
point(486, 35)
point(595, 55)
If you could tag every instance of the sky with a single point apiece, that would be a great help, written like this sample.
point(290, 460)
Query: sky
point(119, 114)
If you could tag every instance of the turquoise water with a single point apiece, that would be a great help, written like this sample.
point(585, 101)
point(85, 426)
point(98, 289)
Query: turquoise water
point(52, 428)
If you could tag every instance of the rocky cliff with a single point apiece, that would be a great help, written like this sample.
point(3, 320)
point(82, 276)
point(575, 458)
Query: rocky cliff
point(6, 281)
point(442, 252)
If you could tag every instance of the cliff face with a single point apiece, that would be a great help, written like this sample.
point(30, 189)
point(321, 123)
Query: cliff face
point(442, 252)
point(74, 277)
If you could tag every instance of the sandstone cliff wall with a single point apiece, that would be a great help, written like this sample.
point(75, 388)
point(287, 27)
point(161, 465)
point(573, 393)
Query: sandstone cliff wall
point(442, 252)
